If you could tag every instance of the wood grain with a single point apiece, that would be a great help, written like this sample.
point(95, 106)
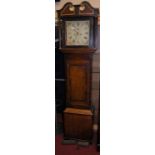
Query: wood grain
point(78, 74)
point(78, 111)
point(78, 124)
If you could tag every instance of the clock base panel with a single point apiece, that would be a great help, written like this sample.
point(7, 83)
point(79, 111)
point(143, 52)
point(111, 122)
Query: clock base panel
point(78, 124)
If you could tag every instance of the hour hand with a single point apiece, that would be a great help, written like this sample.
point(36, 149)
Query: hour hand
point(73, 28)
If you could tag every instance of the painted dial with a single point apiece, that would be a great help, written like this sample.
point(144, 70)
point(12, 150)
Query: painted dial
point(77, 33)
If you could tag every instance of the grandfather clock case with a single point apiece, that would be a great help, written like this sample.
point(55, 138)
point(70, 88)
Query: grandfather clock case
point(78, 32)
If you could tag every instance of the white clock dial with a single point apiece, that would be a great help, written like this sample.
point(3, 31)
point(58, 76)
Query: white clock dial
point(77, 33)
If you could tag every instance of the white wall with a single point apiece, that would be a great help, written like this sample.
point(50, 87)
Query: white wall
point(94, 3)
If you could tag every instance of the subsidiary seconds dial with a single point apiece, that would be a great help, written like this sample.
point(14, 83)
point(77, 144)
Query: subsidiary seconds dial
point(77, 33)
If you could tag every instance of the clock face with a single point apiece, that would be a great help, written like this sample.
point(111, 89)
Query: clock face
point(77, 33)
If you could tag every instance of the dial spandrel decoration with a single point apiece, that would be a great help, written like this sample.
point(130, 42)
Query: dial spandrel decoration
point(77, 33)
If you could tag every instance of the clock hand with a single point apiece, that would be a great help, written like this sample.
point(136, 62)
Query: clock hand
point(73, 28)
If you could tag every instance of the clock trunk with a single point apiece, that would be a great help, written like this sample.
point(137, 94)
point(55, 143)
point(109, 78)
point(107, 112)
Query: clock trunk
point(78, 75)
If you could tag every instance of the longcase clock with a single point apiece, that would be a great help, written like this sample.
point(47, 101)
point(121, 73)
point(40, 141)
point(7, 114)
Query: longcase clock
point(78, 31)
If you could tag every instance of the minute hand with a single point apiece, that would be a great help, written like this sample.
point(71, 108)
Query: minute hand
point(77, 31)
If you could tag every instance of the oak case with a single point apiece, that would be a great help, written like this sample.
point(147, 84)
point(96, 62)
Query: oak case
point(78, 124)
point(78, 73)
point(78, 116)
